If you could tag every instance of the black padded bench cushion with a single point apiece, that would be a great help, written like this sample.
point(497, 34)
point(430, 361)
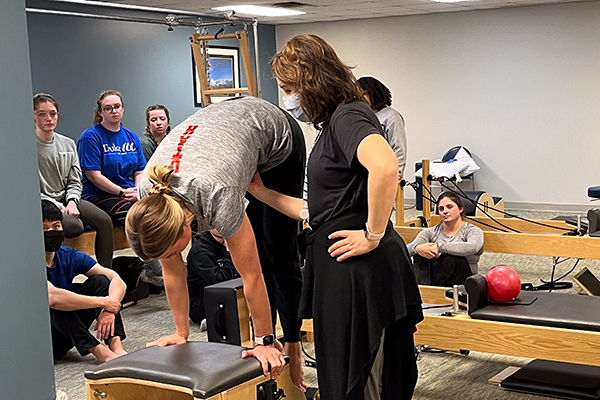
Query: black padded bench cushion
point(206, 368)
point(557, 310)
point(557, 379)
point(594, 191)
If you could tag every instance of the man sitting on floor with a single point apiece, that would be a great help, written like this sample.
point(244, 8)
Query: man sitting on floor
point(208, 262)
point(74, 306)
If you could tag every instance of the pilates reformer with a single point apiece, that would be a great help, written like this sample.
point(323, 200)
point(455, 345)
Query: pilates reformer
point(546, 327)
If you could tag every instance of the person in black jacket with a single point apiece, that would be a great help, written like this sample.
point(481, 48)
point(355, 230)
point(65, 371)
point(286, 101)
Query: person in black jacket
point(208, 262)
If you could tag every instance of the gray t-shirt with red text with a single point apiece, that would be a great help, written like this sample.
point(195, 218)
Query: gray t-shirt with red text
point(216, 151)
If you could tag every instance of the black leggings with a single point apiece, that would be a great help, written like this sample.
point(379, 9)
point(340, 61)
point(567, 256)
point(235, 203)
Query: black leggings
point(276, 240)
point(93, 216)
point(71, 328)
point(446, 270)
point(114, 206)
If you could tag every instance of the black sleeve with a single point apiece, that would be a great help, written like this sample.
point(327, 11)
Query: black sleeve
point(351, 125)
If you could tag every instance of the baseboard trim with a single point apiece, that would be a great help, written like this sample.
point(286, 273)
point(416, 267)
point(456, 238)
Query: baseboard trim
point(528, 206)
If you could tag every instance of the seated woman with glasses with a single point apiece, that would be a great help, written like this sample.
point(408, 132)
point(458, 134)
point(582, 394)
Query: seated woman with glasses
point(112, 161)
point(60, 180)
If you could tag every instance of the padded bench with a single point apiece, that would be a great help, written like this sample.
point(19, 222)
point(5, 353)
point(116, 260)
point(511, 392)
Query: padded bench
point(195, 370)
point(556, 310)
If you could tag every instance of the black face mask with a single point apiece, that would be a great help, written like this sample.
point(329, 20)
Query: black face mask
point(53, 240)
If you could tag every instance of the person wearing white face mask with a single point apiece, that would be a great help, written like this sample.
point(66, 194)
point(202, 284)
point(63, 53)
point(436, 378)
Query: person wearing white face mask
point(359, 286)
point(292, 104)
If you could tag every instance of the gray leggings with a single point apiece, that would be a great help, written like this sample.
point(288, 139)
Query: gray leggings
point(100, 221)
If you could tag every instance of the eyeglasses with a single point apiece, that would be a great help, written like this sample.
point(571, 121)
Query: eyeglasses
point(109, 109)
point(44, 114)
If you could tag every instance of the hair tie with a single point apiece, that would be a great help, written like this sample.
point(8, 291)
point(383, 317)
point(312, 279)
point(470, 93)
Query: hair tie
point(159, 187)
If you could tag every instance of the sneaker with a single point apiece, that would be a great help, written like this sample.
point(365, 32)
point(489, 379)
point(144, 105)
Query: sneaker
point(203, 326)
point(147, 276)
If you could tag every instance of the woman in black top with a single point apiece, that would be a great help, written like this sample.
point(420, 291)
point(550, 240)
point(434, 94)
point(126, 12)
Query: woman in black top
point(359, 286)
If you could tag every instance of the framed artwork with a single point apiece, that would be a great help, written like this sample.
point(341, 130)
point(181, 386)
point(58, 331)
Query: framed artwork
point(223, 73)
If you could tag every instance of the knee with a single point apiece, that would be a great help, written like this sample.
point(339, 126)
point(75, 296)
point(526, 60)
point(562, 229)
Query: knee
point(72, 226)
point(103, 221)
point(100, 284)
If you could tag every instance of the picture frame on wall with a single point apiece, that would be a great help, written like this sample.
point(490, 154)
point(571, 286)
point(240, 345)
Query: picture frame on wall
point(224, 73)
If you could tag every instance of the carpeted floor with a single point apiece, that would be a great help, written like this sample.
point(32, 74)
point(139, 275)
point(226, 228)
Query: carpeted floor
point(442, 376)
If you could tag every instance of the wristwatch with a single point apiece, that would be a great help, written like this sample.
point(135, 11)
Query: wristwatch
point(373, 236)
point(267, 340)
point(121, 192)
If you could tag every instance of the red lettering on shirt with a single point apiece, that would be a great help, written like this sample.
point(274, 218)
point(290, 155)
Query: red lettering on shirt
point(176, 157)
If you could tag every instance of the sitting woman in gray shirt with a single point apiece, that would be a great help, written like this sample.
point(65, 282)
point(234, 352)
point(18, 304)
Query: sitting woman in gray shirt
point(447, 253)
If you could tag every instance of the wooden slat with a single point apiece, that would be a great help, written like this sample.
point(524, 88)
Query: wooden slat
point(461, 332)
point(517, 224)
point(227, 91)
point(529, 243)
point(434, 294)
point(247, 62)
point(86, 241)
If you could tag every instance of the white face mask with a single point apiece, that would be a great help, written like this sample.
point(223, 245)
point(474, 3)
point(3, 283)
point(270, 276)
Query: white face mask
point(292, 104)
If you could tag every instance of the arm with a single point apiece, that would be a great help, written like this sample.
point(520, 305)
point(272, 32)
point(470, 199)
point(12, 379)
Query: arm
point(117, 288)
point(242, 247)
point(131, 194)
point(74, 185)
point(290, 206)
point(397, 139)
point(472, 245)
point(423, 237)
point(65, 300)
point(103, 182)
point(175, 279)
point(105, 323)
point(376, 155)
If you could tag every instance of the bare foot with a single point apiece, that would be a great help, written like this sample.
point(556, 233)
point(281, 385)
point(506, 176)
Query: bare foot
point(103, 353)
point(115, 345)
point(294, 350)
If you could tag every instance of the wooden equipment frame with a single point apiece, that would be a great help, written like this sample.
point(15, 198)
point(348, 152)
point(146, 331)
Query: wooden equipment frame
point(520, 340)
point(135, 389)
point(483, 222)
point(242, 37)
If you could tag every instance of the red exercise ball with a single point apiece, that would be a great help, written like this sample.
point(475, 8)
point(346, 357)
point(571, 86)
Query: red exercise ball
point(503, 283)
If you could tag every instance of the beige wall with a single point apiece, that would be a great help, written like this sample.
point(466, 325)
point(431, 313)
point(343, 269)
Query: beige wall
point(519, 87)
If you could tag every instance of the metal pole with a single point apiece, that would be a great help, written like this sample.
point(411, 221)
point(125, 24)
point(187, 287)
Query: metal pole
point(256, 56)
point(108, 17)
point(217, 14)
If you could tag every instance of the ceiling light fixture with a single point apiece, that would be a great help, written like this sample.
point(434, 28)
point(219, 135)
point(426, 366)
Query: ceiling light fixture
point(260, 11)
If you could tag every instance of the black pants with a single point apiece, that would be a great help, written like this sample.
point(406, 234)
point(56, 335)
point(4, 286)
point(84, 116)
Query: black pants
point(276, 239)
point(114, 206)
point(71, 328)
point(446, 270)
point(93, 216)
